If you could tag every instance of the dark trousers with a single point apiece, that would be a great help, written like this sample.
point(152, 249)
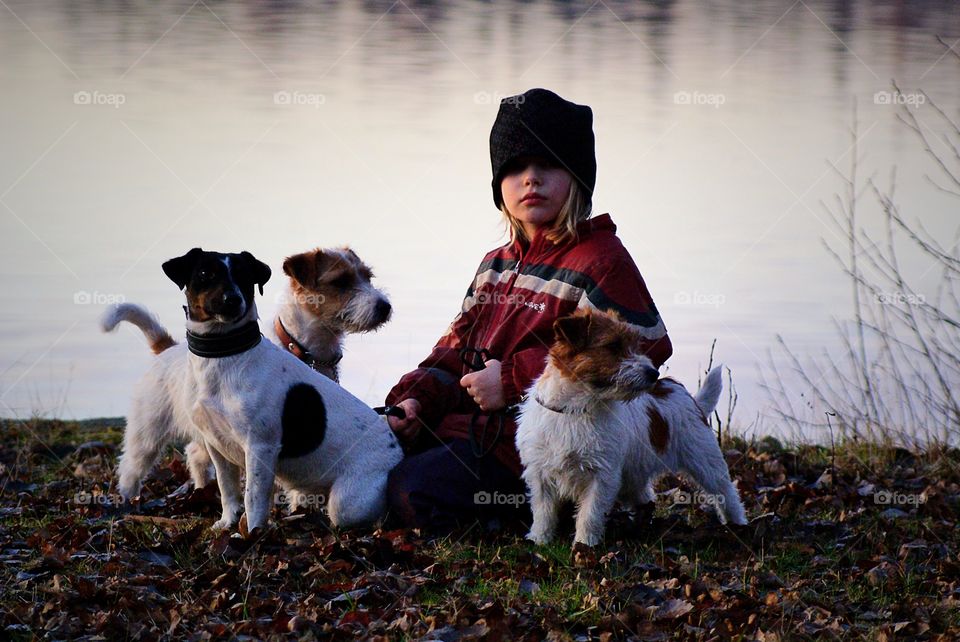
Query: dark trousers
point(448, 486)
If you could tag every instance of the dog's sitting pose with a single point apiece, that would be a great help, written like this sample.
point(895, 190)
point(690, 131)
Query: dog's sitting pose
point(258, 408)
point(328, 295)
point(598, 424)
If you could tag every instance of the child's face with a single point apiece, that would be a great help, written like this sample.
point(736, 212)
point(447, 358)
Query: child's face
point(534, 189)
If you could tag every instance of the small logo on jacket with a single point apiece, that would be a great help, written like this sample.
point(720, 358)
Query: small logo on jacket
point(539, 307)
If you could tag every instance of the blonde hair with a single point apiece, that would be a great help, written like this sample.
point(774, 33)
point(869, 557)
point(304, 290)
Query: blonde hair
point(575, 209)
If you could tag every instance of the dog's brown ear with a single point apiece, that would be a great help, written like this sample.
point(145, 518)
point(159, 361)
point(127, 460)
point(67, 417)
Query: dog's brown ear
point(302, 268)
point(180, 268)
point(309, 268)
point(573, 330)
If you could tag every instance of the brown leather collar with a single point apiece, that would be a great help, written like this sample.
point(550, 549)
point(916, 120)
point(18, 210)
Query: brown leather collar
point(296, 349)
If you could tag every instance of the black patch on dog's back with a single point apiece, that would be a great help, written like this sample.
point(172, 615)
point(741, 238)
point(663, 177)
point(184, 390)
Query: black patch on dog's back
point(304, 421)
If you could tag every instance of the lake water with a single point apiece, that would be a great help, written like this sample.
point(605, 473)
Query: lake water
point(135, 131)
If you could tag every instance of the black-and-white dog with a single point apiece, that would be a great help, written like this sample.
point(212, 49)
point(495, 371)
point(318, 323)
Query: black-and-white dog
point(258, 409)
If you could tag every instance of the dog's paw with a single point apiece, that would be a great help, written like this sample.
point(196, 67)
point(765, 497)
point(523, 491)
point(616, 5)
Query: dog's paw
point(539, 538)
point(225, 523)
point(587, 539)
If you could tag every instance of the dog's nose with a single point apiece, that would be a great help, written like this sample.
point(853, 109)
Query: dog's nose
point(383, 309)
point(232, 300)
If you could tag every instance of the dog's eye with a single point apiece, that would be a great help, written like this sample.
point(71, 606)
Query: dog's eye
point(342, 282)
point(204, 275)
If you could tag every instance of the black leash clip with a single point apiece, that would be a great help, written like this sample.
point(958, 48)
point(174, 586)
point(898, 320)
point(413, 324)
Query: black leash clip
point(391, 411)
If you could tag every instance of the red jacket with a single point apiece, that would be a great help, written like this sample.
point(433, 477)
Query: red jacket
point(518, 292)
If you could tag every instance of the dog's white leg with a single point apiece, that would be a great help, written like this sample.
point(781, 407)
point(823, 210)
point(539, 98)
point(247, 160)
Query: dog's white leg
point(357, 500)
point(261, 460)
point(199, 464)
point(145, 436)
point(732, 505)
point(544, 504)
point(228, 479)
point(594, 506)
point(707, 467)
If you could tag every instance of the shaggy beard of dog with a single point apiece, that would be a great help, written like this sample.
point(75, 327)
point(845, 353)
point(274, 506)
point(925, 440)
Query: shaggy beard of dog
point(598, 425)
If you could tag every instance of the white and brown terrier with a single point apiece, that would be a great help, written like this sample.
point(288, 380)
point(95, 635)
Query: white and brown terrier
point(328, 295)
point(599, 424)
point(257, 408)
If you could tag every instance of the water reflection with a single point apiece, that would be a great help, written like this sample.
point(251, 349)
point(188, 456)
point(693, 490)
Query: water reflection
point(382, 144)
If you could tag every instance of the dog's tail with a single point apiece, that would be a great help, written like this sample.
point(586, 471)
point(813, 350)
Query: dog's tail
point(709, 393)
point(139, 316)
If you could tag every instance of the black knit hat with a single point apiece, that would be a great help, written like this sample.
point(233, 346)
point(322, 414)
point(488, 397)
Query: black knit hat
point(541, 123)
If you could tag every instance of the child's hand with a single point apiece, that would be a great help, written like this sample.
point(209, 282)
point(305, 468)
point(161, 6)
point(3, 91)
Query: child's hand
point(485, 387)
point(408, 427)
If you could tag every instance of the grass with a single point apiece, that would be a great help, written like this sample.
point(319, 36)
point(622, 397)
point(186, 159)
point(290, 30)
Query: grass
point(814, 562)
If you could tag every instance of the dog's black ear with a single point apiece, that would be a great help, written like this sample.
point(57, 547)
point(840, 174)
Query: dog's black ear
point(180, 268)
point(574, 329)
point(260, 270)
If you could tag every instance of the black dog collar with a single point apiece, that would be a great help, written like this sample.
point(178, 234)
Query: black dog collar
point(215, 346)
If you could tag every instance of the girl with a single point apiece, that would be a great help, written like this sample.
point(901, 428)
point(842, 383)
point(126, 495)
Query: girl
point(458, 433)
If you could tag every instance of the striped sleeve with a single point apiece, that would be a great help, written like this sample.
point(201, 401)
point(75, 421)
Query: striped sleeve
point(618, 286)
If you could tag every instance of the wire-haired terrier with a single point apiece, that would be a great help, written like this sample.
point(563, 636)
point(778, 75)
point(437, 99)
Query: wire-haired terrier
point(599, 424)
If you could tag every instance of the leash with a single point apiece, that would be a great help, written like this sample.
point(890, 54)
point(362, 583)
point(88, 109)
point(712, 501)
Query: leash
point(475, 359)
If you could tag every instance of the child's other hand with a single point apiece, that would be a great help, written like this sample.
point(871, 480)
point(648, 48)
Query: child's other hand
point(408, 427)
point(485, 387)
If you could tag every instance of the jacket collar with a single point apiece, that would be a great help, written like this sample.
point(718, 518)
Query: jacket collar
point(585, 229)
